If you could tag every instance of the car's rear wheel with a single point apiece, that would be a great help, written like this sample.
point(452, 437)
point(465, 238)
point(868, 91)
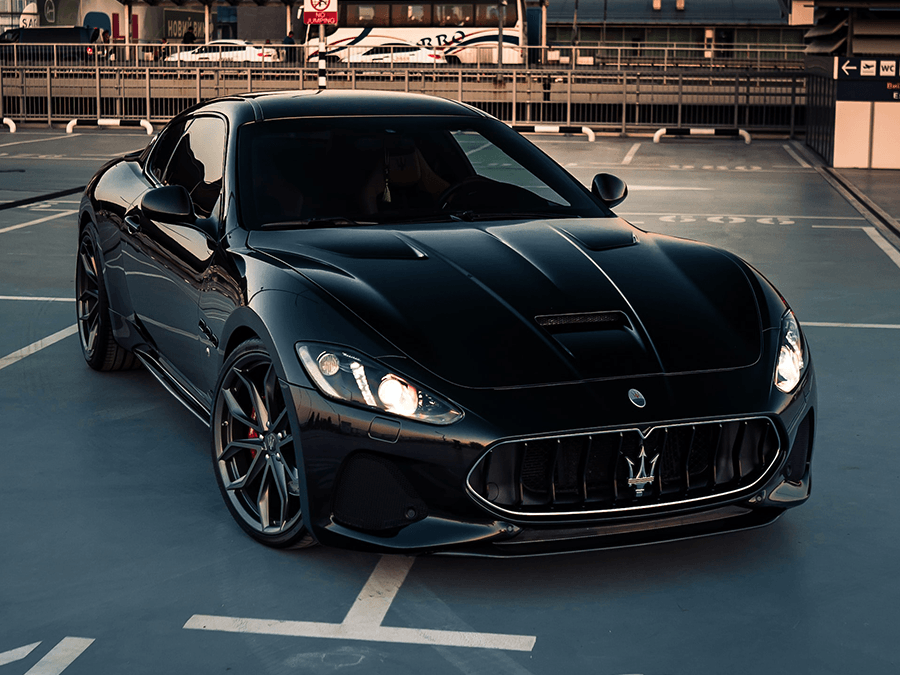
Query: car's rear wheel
point(99, 346)
point(254, 450)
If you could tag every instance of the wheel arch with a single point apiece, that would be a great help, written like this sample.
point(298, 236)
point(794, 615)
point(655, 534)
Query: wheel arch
point(239, 335)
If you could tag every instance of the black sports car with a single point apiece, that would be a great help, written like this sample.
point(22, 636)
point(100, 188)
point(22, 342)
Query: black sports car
point(410, 330)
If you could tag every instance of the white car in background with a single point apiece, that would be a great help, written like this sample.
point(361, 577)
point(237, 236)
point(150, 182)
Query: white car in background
point(398, 53)
point(228, 51)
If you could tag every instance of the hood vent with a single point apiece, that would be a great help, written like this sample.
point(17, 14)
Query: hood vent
point(589, 321)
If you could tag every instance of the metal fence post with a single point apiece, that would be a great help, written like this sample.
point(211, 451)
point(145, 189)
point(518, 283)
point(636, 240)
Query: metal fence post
point(737, 99)
point(49, 99)
point(460, 86)
point(515, 82)
point(569, 99)
point(97, 75)
point(119, 89)
point(198, 83)
point(2, 109)
point(147, 93)
point(793, 104)
point(680, 97)
point(624, 102)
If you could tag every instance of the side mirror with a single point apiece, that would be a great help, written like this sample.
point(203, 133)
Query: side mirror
point(609, 189)
point(170, 204)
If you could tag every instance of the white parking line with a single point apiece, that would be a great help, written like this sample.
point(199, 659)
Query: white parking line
point(829, 324)
point(60, 657)
point(363, 621)
point(35, 347)
point(662, 188)
point(874, 235)
point(631, 153)
point(39, 220)
point(37, 140)
point(37, 298)
point(883, 244)
point(735, 215)
point(374, 600)
point(789, 150)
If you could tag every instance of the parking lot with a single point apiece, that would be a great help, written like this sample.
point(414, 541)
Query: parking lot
point(118, 555)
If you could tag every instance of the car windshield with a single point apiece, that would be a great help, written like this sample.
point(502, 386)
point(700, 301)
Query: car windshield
point(347, 172)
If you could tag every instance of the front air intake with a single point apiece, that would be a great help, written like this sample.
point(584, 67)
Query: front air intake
point(373, 495)
point(627, 469)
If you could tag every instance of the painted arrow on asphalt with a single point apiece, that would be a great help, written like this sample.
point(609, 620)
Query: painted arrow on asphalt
point(16, 654)
point(55, 661)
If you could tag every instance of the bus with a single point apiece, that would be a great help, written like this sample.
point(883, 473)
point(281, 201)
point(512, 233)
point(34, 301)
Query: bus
point(451, 32)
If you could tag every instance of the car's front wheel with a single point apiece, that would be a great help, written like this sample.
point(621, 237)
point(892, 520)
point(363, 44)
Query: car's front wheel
point(99, 346)
point(254, 450)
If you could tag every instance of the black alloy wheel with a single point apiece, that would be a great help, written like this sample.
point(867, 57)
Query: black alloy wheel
point(99, 346)
point(253, 450)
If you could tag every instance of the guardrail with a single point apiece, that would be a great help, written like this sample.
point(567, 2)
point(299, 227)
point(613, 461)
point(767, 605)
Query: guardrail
point(612, 101)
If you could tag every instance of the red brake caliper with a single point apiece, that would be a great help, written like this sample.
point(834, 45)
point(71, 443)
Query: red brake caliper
point(252, 433)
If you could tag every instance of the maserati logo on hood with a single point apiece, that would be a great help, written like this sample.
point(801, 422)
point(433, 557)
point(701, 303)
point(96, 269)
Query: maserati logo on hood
point(637, 398)
point(644, 477)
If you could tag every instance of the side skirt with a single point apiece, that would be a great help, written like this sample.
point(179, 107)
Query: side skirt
point(172, 385)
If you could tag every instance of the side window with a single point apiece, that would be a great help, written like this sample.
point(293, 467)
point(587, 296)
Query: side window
point(198, 163)
point(162, 151)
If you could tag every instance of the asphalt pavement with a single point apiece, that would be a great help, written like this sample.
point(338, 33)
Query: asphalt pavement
point(117, 554)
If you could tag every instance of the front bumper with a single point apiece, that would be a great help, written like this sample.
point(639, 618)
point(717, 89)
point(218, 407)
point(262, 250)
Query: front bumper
point(386, 485)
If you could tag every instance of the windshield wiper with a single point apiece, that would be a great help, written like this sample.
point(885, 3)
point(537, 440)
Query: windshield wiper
point(310, 223)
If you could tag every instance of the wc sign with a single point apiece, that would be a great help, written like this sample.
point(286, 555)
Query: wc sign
point(320, 12)
point(887, 68)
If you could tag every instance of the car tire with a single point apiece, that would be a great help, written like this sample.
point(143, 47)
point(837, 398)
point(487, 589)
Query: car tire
point(99, 346)
point(253, 450)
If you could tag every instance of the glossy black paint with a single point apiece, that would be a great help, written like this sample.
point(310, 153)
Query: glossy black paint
point(468, 310)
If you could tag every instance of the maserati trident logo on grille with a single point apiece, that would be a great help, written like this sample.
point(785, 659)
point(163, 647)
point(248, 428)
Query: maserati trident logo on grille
point(644, 478)
point(637, 398)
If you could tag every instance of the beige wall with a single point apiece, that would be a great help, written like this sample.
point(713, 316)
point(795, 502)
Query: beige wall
point(867, 135)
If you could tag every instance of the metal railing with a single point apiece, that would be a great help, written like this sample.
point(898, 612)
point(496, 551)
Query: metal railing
point(615, 101)
point(607, 56)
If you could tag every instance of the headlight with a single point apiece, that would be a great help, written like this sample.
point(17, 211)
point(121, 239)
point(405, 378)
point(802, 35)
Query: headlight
point(349, 376)
point(791, 359)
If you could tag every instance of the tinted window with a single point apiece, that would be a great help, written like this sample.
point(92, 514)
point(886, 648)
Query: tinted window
point(410, 15)
point(163, 148)
point(198, 163)
point(393, 170)
point(454, 15)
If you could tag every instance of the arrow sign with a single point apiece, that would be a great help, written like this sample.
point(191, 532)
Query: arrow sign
point(846, 67)
point(16, 654)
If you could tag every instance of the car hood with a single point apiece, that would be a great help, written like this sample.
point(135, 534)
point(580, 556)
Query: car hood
point(510, 304)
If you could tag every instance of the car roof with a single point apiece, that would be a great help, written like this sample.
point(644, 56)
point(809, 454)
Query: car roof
point(324, 103)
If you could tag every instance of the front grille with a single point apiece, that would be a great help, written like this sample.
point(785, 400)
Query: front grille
point(626, 469)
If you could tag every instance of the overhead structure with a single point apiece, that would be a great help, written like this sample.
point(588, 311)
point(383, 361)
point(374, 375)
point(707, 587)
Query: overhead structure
point(855, 28)
point(853, 85)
